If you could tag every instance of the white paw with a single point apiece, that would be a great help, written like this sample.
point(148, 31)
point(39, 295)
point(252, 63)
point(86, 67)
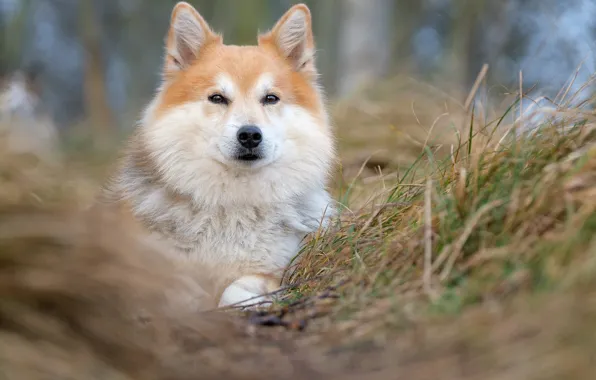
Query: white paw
point(247, 292)
point(234, 296)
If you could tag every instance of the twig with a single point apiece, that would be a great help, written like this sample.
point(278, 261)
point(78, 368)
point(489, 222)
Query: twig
point(521, 99)
point(428, 245)
point(415, 116)
point(475, 87)
point(432, 127)
point(469, 228)
point(393, 204)
point(571, 83)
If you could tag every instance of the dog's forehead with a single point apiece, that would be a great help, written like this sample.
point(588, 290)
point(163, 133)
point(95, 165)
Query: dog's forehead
point(242, 69)
point(235, 85)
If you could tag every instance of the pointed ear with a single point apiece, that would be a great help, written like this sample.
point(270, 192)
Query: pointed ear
point(293, 38)
point(188, 34)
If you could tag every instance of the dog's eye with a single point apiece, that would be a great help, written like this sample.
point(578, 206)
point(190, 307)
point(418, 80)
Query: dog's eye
point(218, 99)
point(270, 99)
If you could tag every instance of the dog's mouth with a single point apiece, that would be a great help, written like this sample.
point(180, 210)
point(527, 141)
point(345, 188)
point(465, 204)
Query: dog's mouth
point(249, 157)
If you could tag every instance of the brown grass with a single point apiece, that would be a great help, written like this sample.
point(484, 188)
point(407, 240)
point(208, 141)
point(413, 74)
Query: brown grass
point(471, 262)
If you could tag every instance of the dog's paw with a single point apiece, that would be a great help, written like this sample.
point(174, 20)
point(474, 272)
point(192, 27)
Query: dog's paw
point(244, 300)
point(247, 292)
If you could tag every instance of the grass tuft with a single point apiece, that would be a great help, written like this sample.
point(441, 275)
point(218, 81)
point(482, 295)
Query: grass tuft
point(507, 211)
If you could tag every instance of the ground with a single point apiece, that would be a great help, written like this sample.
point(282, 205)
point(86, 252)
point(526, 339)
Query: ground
point(465, 249)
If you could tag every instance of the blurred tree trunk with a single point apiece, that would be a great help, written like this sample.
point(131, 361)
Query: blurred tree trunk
point(467, 14)
point(250, 16)
point(326, 34)
point(224, 13)
point(11, 47)
point(279, 7)
point(364, 43)
point(406, 16)
point(495, 33)
point(96, 102)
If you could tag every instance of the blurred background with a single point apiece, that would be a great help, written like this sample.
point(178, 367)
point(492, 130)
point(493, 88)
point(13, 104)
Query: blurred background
point(91, 65)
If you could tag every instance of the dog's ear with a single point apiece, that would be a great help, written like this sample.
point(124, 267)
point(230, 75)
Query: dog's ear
point(293, 38)
point(188, 34)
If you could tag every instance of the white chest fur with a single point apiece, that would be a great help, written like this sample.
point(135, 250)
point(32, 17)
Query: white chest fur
point(228, 242)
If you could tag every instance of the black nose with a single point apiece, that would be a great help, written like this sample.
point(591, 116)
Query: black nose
point(249, 136)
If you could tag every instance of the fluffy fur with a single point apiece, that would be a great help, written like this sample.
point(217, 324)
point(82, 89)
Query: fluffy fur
point(238, 223)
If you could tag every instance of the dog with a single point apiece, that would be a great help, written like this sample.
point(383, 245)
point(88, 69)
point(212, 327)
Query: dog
point(227, 170)
point(26, 125)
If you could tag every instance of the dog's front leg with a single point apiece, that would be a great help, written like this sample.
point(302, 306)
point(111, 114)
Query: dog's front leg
point(250, 291)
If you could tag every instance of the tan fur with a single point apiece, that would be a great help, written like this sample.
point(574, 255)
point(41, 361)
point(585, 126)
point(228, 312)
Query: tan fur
point(235, 225)
point(243, 64)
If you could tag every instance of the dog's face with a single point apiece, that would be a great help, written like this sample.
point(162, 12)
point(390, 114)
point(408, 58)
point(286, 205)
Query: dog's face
point(248, 110)
point(242, 106)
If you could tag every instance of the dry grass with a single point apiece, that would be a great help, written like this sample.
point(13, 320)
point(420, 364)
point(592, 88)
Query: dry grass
point(385, 130)
point(446, 266)
point(502, 212)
